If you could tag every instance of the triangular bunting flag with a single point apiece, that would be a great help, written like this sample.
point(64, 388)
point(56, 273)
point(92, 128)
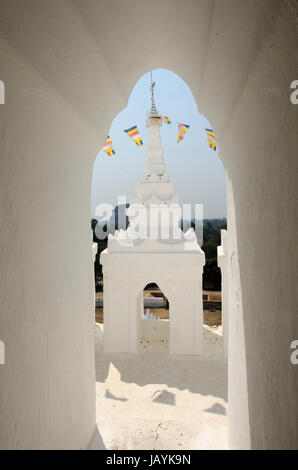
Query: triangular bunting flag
point(166, 119)
point(134, 134)
point(182, 129)
point(211, 139)
point(108, 147)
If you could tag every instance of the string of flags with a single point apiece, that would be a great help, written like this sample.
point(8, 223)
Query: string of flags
point(134, 134)
point(182, 129)
point(211, 139)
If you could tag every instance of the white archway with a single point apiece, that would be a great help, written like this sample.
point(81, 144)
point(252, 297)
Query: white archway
point(238, 59)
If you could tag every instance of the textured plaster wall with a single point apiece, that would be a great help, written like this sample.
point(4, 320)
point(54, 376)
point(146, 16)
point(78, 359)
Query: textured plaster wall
point(264, 170)
point(47, 397)
point(154, 330)
point(68, 67)
point(179, 275)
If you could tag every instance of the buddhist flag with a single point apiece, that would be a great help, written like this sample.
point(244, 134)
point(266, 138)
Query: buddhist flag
point(211, 139)
point(108, 147)
point(182, 129)
point(134, 134)
point(166, 119)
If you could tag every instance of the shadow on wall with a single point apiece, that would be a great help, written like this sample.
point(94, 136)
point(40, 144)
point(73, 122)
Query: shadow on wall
point(217, 409)
point(165, 397)
point(96, 442)
point(111, 396)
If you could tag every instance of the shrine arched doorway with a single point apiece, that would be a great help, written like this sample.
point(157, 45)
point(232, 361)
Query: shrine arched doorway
point(156, 308)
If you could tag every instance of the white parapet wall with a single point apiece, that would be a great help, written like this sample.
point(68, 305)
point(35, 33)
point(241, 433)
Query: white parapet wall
point(154, 330)
point(223, 261)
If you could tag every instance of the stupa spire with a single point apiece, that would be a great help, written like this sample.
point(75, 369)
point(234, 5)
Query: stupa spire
point(154, 184)
point(155, 166)
point(153, 111)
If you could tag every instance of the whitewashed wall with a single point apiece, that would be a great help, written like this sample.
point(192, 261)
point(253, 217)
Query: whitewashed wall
point(68, 68)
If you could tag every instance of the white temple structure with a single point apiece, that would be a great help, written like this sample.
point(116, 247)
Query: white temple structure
point(153, 250)
point(224, 263)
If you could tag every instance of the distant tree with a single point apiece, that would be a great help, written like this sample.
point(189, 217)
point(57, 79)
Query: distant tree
point(101, 245)
point(211, 240)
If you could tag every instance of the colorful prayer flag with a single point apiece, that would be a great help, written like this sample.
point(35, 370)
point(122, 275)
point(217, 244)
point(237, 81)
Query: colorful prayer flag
point(211, 139)
point(108, 147)
point(182, 129)
point(166, 119)
point(134, 134)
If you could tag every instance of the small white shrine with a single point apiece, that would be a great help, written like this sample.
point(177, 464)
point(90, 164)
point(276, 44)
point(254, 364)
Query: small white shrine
point(153, 250)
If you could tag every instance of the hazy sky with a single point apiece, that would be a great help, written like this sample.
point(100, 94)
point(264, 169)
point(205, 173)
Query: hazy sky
point(195, 170)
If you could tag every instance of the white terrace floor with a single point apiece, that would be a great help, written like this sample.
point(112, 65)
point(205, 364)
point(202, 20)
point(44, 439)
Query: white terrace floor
point(155, 401)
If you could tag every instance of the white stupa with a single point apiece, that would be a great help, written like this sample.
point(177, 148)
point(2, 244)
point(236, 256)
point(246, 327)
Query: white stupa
point(153, 250)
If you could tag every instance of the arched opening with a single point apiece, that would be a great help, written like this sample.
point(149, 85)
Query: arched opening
point(154, 329)
point(238, 58)
point(155, 306)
